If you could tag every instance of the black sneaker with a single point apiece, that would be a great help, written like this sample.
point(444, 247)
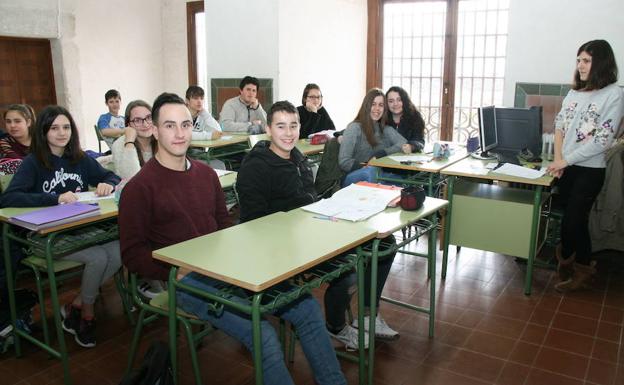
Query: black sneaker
point(71, 318)
point(85, 335)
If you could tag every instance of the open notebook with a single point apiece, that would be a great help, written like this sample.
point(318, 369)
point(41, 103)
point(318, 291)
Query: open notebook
point(355, 202)
point(55, 215)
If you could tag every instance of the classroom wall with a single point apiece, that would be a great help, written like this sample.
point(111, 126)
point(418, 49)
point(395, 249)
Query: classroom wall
point(331, 52)
point(544, 37)
point(242, 39)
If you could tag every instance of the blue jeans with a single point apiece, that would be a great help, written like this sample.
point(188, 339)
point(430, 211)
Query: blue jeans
point(304, 314)
point(366, 174)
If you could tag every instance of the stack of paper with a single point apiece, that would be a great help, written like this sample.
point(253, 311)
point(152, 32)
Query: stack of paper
point(89, 196)
point(55, 215)
point(220, 173)
point(518, 171)
point(355, 202)
point(411, 158)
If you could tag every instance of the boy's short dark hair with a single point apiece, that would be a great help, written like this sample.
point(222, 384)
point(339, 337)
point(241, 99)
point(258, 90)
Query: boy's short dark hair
point(111, 94)
point(281, 106)
point(194, 91)
point(161, 100)
point(249, 80)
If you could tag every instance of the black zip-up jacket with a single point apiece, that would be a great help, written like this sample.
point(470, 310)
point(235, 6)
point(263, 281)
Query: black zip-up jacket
point(267, 183)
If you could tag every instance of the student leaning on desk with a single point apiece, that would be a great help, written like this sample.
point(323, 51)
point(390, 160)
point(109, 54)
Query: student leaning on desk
point(154, 214)
point(50, 175)
point(585, 128)
point(274, 177)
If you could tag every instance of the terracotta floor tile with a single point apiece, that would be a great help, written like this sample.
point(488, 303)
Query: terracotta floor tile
point(456, 336)
point(570, 342)
point(476, 365)
point(612, 314)
point(575, 324)
point(580, 308)
point(470, 318)
point(601, 372)
point(562, 362)
point(513, 374)
point(489, 344)
point(534, 334)
point(411, 348)
point(609, 331)
point(505, 327)
point(605, 351)
point(542, 317)
point(431, 375)
point(524, 353)
point(541, 377)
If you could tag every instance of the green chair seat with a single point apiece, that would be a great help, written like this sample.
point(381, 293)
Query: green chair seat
point(59, 265)
point(161, 301)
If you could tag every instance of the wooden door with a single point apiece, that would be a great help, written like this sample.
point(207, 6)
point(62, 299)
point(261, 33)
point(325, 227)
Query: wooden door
point(26, 75)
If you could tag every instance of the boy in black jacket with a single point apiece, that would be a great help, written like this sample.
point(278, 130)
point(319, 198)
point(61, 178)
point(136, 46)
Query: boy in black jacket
point(275, 176)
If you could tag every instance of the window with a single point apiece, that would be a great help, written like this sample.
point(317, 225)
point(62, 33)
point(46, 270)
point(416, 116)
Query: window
point(196, 41)
point(448, 55)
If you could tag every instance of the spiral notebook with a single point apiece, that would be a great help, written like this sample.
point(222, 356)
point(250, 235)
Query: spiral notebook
point(55, 215)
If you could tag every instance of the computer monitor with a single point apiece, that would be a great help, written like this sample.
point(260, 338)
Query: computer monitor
point(488, 137)
point(518, 129)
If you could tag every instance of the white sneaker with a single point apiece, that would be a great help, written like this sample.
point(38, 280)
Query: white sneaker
point(150, 288)
point(382, 330)
point(349, 337)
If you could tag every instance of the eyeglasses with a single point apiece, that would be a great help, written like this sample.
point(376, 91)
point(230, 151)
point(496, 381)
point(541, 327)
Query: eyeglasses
point(142, 121)
point(315, 97)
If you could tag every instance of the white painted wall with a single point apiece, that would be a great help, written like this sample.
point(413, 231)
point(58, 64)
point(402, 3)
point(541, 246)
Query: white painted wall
point(544, 37)
point(242, 39)
point(324, 42)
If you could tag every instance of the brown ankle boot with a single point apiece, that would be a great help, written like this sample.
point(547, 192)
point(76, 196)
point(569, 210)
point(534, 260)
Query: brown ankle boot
point(583, 274)
point(565, 266)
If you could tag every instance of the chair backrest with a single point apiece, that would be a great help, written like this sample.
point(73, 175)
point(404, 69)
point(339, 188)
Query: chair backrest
point(5, 179)
point(253, 139)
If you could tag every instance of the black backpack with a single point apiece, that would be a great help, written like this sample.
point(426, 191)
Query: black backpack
point(155, 369)
point(329, 175)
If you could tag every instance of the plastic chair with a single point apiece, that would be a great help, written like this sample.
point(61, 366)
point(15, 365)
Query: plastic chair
point(157, 307)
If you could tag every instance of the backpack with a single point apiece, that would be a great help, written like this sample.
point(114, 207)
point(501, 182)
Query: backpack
point(329, 175)
point(155, 368)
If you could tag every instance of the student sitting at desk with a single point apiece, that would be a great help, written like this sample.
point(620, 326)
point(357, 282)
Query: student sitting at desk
point(130, 152)
point(275, 176)
point(244, 113)
point(50, 175)
point(137, 145)
point(585, 128)
point(406, 119)
point(18, 120)
point(191, 203)
point(111, 124)
point(205, 127)
point(313, 115)
point(367, 137)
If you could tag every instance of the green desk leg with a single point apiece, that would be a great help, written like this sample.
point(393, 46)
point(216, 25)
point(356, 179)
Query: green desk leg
point(430, 184)
point(361, 342)
point(257, 337)
point(373, 311)
point(537, 197)
point(8, 266)
point(56, 309)
point(432, 246)
point(447, 224)
point(173, 327)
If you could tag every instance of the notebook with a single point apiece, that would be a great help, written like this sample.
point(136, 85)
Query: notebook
point(55, 215)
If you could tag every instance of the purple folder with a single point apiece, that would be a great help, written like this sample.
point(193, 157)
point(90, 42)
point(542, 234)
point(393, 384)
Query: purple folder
point(55, 215)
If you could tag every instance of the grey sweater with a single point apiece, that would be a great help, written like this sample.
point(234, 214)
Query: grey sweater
point(589, 121)
point(355, 149)
point(236, 116)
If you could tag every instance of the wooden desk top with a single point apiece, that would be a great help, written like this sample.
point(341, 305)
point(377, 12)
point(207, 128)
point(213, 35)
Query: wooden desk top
point(280, 245)
point(234, 139)
point(108, 209)
point(261, 253)
point(468, 167)
point(309, 149)
point(430, 166)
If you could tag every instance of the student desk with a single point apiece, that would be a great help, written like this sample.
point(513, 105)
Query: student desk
point(48, 244)
point(424, 174)
point(277, 248)
point(235, 144)
point(489, 217)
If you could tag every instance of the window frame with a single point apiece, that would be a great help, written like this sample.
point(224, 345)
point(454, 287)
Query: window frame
point(192, 9)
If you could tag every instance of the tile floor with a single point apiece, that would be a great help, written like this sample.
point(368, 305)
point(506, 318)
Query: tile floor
point(487, 332)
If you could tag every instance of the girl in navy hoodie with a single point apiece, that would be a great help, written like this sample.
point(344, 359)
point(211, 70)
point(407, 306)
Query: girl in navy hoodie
point(54, 171)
